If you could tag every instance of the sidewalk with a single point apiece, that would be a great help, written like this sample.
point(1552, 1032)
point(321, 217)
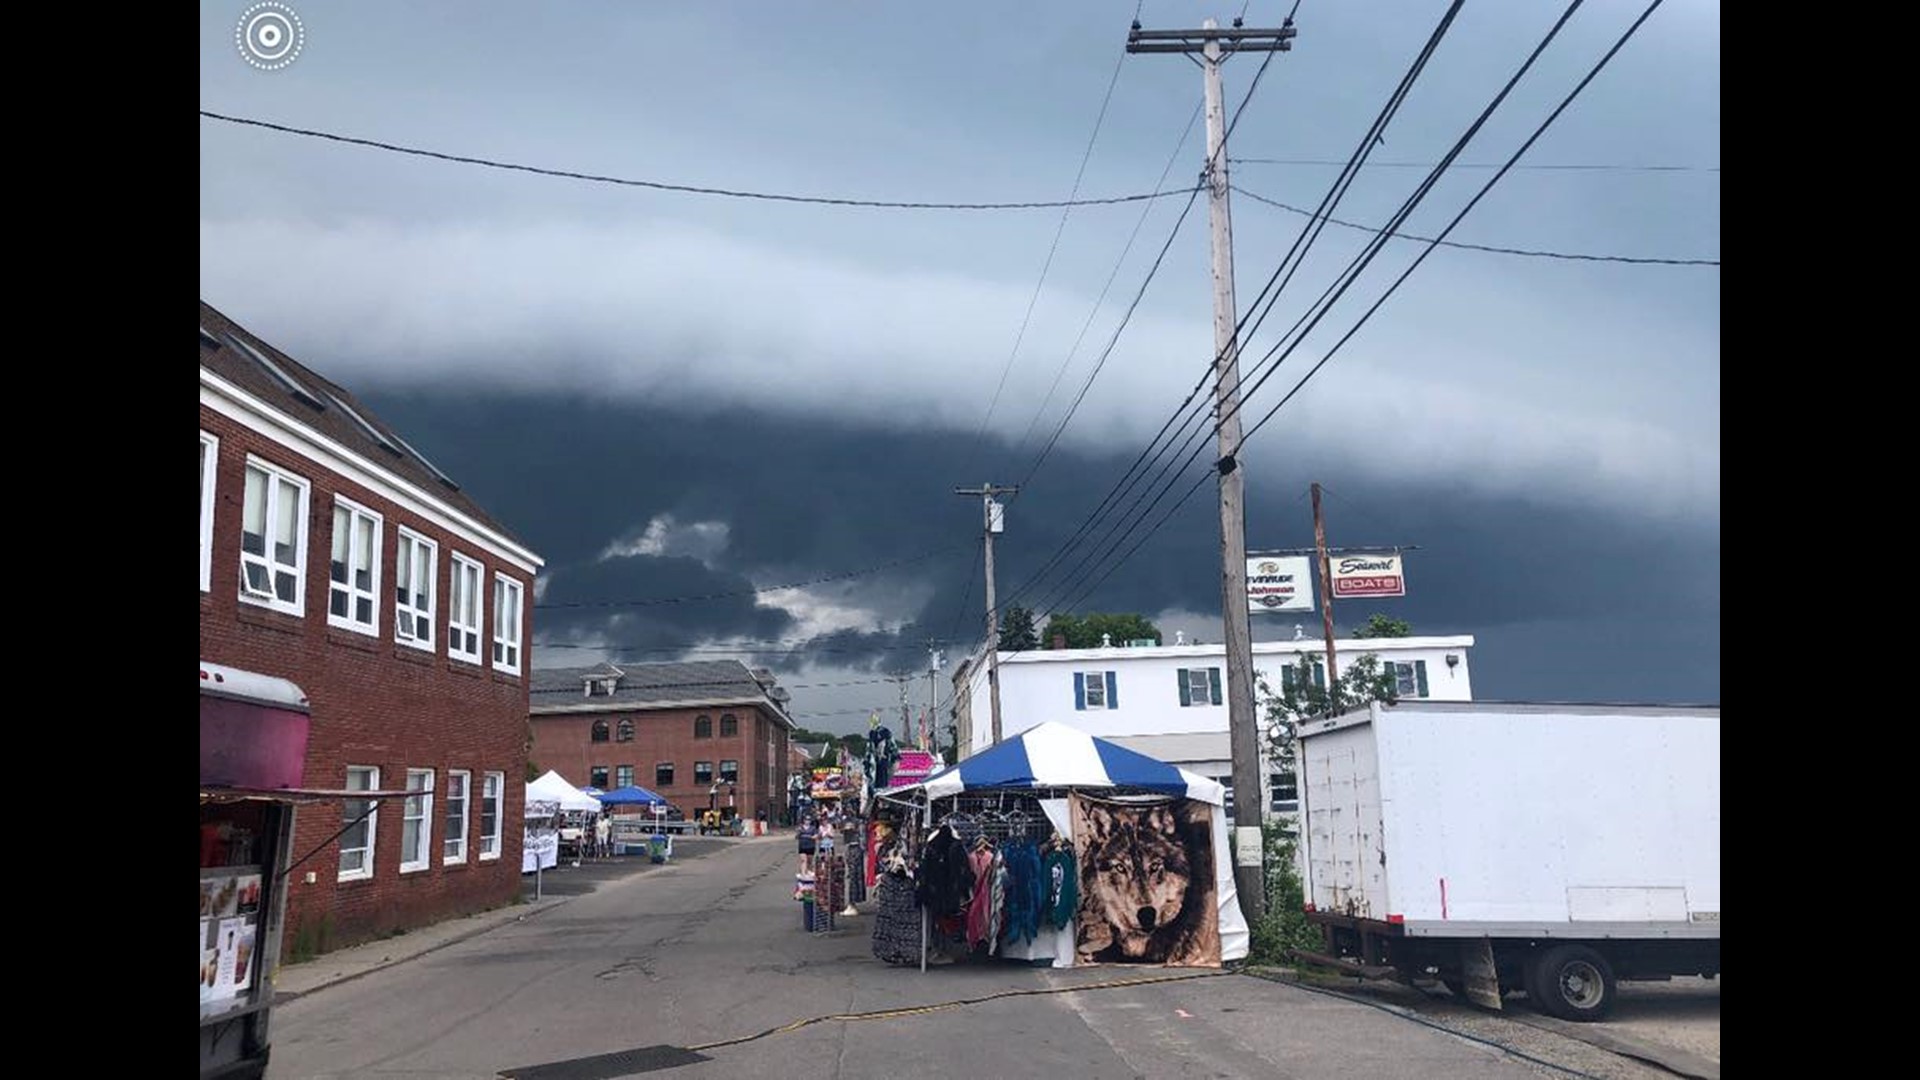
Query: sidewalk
point(342, 965)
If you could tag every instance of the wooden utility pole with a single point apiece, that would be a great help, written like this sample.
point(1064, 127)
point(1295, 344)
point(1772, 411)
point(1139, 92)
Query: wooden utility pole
point(994, 522)
point(1214, 46)
point(1326, 594)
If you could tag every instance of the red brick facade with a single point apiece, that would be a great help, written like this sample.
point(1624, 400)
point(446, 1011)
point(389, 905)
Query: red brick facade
point(564, 742)
point(376, 702)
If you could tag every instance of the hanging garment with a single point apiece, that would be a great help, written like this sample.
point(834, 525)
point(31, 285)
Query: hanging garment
point(1062, 880)
point(1026, 893)
point(997, 900)
point(881, 756)
point(896, 921)
point(980, 907)
point(946, 879)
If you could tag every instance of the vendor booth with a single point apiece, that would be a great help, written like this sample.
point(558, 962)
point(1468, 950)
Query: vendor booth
point(633, 833)
point(541, 849)
point(1057, 847)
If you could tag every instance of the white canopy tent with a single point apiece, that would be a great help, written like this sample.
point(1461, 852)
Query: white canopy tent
point(554, 788)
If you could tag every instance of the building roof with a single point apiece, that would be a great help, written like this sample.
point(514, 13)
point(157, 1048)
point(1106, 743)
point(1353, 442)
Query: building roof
point(230, 351)
point(1316, 645)
point(625, 687)
point(814, 751)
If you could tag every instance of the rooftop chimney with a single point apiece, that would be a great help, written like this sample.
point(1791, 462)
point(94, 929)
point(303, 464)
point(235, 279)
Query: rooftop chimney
point(1059, 641)
point(1179, 637)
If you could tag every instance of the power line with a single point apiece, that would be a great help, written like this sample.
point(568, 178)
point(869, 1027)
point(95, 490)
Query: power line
point(690, 189)
point(649, 602)
point(1484, 165)
point(1645, 261)
point(1106, 288)
point(1117, 533)
point(1524, 147)
point(1054, 248)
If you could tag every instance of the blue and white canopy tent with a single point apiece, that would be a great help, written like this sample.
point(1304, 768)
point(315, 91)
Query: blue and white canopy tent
point(630, 796)
point(1052, 761)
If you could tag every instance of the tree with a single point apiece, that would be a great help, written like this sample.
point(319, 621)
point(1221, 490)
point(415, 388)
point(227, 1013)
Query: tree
point(1087, 631)
point(1379, 626)
point(1016, 631)
point(1303, 695)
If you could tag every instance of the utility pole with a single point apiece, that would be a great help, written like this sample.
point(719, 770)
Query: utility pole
point(1326, 595)
point(1250, 798)
point(994, 521)
point(930, 731)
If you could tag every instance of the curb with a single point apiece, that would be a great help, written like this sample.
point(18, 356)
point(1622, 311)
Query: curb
point(282, 997)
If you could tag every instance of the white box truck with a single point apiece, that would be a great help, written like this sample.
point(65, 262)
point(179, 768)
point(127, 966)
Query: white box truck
point(1550, 849)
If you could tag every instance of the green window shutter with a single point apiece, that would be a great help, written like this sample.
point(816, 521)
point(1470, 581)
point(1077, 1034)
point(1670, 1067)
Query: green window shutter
point(1186, 697)
point(1420, 676)
point(1213, 684)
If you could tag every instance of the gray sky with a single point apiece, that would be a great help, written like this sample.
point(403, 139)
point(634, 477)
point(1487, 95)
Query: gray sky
point(667, 391)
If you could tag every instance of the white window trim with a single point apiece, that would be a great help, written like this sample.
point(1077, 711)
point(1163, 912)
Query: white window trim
point(518, 591)
point(273, 602)
point(348, 622)
point(632, 775)
point(404, 613)
point(373, 833)
point(208, 471)
point(478, 625)
point(466, 816)
point(425, 861)
point(499, 813)
point(1091, 680)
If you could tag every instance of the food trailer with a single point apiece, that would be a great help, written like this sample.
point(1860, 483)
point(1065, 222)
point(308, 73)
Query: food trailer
point(253, 748)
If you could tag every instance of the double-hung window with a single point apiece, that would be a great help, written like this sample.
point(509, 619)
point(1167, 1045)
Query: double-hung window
point(491, 787)
point(358, 817)
point(1410, 680)
point(1290, 676)
point(597, 777)
point(416, 823)
point(703, 773)
point(414, 564)
point(354, 572)
point(506, 623)
point(729, 771)
point(453, 846)
point(1095, 690)
point(663, 774)
point(1199, 686)
point(273, 539)
point(209, 462)
point(623, 776)
point(463, 610)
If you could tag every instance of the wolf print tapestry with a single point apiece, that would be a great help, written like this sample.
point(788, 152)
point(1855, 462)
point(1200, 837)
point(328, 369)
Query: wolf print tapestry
point(1147, 892)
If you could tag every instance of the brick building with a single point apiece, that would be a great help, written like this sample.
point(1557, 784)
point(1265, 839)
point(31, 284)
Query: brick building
point(334, 555)
point(701, 734)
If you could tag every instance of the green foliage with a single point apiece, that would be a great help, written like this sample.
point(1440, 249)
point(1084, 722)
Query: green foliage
point(811, 737)
point(1302, 697)
point(1379, 626)
point(310, 938)
point(1017, 633)
point(1085, 631)
point(533, 771)
point(829, 757)
point(1285, 924)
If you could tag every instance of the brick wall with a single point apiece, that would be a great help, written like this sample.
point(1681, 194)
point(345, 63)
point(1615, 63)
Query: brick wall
point(375, 702)
point(564, 742)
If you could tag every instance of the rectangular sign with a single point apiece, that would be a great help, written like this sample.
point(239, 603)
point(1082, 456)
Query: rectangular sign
point(1367, 575)
point(1279, 583)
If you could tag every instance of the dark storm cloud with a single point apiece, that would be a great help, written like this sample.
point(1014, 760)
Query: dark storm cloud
point(1634, 606)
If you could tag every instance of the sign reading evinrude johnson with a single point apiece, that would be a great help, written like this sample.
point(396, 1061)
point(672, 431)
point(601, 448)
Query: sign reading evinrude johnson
point(1279, 583)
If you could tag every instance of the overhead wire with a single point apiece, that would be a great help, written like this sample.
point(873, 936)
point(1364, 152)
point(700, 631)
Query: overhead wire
point(1025, 320)
point(1117, 532)
point(691, 189)
point(1485, 165)
point(1599, 66)
point(1528, 252)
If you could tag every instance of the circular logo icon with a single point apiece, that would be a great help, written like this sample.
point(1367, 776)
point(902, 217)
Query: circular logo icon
point(269, 36)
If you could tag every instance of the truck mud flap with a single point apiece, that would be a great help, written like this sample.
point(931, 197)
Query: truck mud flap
point(1482, 979)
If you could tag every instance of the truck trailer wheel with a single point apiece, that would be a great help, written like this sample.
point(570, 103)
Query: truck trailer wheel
point(1572, 982)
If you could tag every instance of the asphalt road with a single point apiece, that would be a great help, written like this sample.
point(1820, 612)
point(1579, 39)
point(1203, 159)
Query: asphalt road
point(712, 949)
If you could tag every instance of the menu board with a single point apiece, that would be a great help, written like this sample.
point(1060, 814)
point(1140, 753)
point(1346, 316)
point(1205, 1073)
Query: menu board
point(229, 925)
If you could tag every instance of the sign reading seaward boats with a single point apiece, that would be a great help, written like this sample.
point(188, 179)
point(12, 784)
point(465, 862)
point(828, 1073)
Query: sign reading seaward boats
point(1368, 575)
point(1279, 583)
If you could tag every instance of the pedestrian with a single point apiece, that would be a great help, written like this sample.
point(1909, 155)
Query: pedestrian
point(603, 836)
point(809, 834)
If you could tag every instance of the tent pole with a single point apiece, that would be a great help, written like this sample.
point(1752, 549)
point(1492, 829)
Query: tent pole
point(926, 823)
